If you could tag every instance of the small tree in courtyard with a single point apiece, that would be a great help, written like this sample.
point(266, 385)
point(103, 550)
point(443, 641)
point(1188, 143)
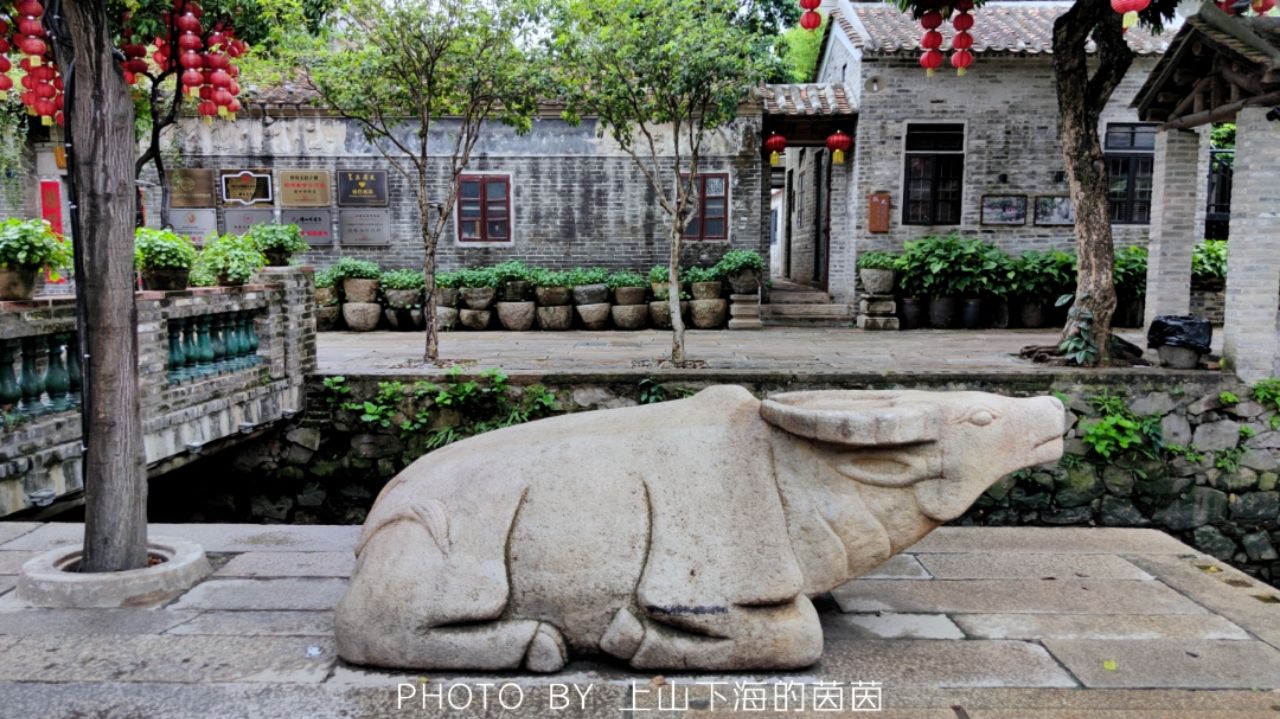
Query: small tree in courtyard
point(658, 76)
point(1083, 89)
point(398, 68)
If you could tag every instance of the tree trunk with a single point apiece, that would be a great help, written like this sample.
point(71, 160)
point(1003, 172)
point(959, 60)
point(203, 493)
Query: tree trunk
point(430, 240)
point(1081, 99)
point(100, 121)
point(673, 292)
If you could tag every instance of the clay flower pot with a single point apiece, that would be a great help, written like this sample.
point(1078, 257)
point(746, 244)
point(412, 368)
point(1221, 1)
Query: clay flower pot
point(553, 296)
point(326, 318)
point(555, 318)
point(516, 316)
point(403, 299)
point(660, 311)
point(361, 316)
point(745, 282)
point(357, 290)
point(166, 279)
point(326, 296)
point(630, 295)
point(515, 291)
point(707, 290)
point(446, 318)
point(708, 314)
point(594, 317)
point(630, 317)
point(18, 283)
point(478, 298)
point(446, 297)
point(877, 282)
point(474, 319)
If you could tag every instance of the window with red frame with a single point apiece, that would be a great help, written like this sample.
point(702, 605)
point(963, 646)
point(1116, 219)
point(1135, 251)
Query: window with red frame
point(712, 198)
point(484, 208)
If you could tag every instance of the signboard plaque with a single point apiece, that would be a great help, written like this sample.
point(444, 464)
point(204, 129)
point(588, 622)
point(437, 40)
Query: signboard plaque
point(238, 222)
point(304, 188)
point(364, 227)
point(316, 225)
point(362, 188)
point(197, 223)
point(247, 187)
point(191, 187)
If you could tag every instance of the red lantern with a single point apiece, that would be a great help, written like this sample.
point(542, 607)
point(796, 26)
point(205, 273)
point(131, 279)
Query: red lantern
point(962, 22)
point(931, 20)
point(1262, 7)
point(931, 60)
point(810, 4)
point(839, 143)
point(961, 60)
point(932, 40)
point(810, 20)
point(6, 84)
point(963, 5)
point(962, 41)
point(775, 145)
point(1130, 10)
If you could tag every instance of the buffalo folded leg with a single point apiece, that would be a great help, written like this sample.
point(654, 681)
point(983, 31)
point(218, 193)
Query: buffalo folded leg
point(781, 636)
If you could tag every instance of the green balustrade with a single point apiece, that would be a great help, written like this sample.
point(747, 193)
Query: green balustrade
point(73, 369)
point(57, 383)
point(10, 392)
point(217, 340)
point(177, 358)
point(235, 345)
point(32, 381)
point(205, 349)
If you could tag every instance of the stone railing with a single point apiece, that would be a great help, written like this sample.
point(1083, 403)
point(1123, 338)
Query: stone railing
point(214, 365)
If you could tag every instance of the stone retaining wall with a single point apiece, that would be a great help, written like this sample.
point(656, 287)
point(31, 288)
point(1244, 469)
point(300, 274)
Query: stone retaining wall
point(329, 466)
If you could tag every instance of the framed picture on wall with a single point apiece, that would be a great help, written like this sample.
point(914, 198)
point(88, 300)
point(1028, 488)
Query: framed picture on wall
point(1055, 210)
point(1004, 209)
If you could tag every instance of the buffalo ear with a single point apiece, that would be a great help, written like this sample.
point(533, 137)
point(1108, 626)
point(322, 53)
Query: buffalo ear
point(855, 418)
point(891, 466)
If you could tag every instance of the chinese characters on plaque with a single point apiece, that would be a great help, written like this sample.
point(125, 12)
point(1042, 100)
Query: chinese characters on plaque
point(247, 187)
point(316, 225)
point(362, 188)
point(304, 188)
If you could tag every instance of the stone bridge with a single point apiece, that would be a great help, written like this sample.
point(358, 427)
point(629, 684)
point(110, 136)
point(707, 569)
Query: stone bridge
point(216, 366)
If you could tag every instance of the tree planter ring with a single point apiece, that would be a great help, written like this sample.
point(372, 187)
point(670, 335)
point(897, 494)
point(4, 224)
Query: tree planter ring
point(49, 579)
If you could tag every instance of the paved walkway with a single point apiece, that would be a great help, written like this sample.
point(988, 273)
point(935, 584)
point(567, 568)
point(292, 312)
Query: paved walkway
point(982, 623)
point(775, 348)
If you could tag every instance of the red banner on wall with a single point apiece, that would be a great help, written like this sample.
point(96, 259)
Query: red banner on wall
point(51, 204)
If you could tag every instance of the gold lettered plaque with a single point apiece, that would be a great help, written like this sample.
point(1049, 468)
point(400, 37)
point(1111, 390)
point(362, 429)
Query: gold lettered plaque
point(241, 188)
point(191, 187)
point(362, 188)
point(304, 188)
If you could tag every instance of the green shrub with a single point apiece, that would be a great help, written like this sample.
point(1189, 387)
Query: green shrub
point(1130, 272)
point(478, 277)
point(349, 268)
point(511, 271)
point(282, 238)
point(877, 260)
point(659, 274)
point(579, 276)
point(232, 259)
point(326, 278)
point(700, 274)
point(626, 279)
point(162, 249)
point(402, 280)
point(1043, 276)
point(449, 280)
point(31, 243)
point(1209, 262)
point(950, 266)
point(735, 261)
point(542, 277)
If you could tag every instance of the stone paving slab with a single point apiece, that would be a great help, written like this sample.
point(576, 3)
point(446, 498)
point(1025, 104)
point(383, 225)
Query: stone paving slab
point(888, 625)
point(11, 562)
point(90, 621)
point(13, 530)
point(899, 566)
point(289, 564)
point(1049, 540)
point(943, 663)
point(1029, 566)
point(1179, 664)
point(1098, 626)
point(1013, 596)
point(213, 537)
point(151, 658)
point(295, 593)
point(258, 623)
point(6, 583)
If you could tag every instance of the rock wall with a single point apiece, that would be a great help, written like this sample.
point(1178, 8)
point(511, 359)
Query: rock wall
point(1204, 470)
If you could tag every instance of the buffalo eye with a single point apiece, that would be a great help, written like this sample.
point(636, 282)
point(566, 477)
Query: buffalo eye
point(981, 418)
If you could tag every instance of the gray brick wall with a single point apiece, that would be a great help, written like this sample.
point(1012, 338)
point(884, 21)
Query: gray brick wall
point(576, 199)
point(1174, 230)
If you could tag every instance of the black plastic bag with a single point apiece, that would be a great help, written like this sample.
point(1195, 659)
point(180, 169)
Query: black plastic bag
point(1180, 331)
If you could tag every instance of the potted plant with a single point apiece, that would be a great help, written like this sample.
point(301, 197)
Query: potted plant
point(164, 258)
point(479, 287)
point(402, 290)
point(326, 300)
point(359, 279)
point(999, 284)
point(659, 278)
point(931, 260)
point(660, 308)
point(973, 269)
point(26, 246)
point(629, 288)
point(552, 289)
point(877, 270)
point(704, 282)
point(1130, 278)
point(1038, 279)
point(513, 280)
point(911, 282)
point(233, 259)
point(744, 269)
point(589, 286)
point(446, 292)
point(278, 242)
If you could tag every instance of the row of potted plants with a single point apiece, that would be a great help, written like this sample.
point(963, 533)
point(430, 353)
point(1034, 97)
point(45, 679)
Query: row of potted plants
point(169, 261)
point(945, 282)
point(521, 297)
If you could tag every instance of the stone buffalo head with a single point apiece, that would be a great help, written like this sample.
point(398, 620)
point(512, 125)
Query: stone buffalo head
point(948, 447)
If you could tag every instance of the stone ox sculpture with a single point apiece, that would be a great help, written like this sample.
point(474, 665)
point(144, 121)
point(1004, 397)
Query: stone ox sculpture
point(682, 535)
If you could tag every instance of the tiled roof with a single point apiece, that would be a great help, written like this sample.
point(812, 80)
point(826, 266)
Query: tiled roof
point(1024, 28)
point(807, 99)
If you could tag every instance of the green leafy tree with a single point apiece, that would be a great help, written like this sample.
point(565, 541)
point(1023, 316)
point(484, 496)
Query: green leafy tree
point(1084, 86)
point(658, 76)
point(398, 68)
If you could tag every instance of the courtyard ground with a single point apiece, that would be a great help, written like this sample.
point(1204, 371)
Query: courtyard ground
point(982, 623)
point(772, 348)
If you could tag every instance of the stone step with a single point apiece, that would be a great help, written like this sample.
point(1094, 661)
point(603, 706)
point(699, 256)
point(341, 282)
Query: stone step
point(806, 310)
point(745, 323)
point(834, 322)
point(792, 297)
